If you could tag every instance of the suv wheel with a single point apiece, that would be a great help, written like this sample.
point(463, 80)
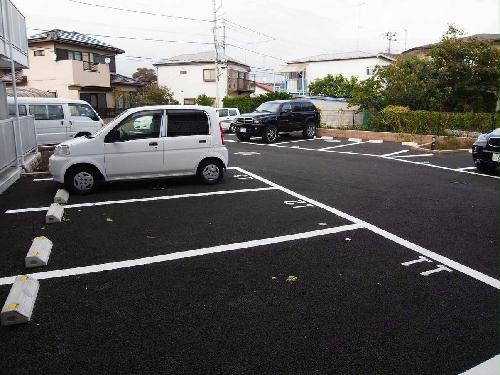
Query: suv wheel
point(231, 128)
point(310, 131)
point(82, 180)
point(210, 171)
point(242, 137)
point(270, 134)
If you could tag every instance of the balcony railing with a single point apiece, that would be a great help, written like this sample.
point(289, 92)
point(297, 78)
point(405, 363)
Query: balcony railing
point(90, 66)
point(240, 85)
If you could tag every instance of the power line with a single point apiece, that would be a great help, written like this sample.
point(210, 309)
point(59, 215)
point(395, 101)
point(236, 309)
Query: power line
point(255, 52)
point(140, 11)
point(141, 39)
point(249, 29)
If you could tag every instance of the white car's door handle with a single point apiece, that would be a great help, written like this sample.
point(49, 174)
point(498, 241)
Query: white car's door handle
point(153, 143)
point(202, 141)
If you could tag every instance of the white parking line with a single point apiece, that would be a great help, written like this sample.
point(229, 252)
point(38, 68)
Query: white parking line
point(43, 179)
point(387, 157)
point(345, 145)
point(136, 200)
point(409, 245)
point(183, 254)
point(396, 153)
point(413, 156)
point(490, 367)
point(465, 168)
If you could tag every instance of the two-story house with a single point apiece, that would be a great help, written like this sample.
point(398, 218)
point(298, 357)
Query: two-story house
point(300, 72)
point(76, 66)
point(190, 75)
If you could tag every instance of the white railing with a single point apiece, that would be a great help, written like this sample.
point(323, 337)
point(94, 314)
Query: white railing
point(10, 141)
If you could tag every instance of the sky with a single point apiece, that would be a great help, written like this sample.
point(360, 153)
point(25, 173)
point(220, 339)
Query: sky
point(262, 33)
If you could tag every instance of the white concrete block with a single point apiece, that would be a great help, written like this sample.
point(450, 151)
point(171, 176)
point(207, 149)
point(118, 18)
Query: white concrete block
point(411, 144)
point(354, 140)
point(375, 141)
point(54, 213)
point(61, 196)
point(20, 302)
point(39, 252)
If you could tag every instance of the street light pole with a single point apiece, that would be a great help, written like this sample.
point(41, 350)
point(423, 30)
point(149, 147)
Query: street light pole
point(216, 46)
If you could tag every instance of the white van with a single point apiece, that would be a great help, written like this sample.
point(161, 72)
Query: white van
point(227, 117)
point(145, 142)
point(57, 119)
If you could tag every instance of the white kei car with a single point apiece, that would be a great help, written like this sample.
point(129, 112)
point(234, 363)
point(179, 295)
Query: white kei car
point(145, 142)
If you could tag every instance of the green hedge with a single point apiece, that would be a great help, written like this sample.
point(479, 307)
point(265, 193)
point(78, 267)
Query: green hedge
point(247, 104)
point(436, 123)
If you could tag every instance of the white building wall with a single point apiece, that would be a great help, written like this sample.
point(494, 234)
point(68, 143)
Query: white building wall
point(348, 68)
point(191, 84)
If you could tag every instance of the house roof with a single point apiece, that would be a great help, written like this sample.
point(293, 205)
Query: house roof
point(265, 86)
point(487, 37)
point(118, 79)
point(344, 56)
point(196, 58)
point(7, 77)
point(72, 37)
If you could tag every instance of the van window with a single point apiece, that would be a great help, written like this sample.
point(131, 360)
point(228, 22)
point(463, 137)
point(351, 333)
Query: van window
point(182, 123)
point(39, 111)
point(232, 112)
point(22, 110)
point(141, 125)
point(82, 110)
point(55, 112)
point(222, 112)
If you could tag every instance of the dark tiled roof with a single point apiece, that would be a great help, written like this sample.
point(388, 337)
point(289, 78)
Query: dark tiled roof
point(118, 79)
point(72, 37)
point(7, 77)
point(196, 58)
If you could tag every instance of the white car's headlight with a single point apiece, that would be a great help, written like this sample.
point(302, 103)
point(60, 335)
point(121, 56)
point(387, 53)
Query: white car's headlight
point(61, 150)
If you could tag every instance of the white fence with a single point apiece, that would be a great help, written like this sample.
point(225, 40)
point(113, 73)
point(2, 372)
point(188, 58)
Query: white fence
point(341, 118)
point(10, 142)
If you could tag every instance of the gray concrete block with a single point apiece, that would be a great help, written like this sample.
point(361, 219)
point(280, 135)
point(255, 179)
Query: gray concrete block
point(54, 213)
point(61, 197)
point(39, 252)
point(20, 302)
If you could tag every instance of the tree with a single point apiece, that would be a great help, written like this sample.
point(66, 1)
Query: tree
point(466, 72)
point(458, 74)
point(331, 85)
point(156, 95)
point(204, 100)
point(368, 95)
point(145, 75)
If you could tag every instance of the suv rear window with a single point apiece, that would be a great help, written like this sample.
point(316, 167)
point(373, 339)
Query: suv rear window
point(183, 123)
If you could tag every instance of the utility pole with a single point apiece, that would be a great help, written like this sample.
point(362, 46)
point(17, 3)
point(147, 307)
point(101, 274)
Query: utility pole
point(216, 46)
point(390, 36)
point(406, 36)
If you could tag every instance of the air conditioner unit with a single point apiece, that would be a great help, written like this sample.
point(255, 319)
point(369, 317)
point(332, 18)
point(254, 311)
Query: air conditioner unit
point(107, 60)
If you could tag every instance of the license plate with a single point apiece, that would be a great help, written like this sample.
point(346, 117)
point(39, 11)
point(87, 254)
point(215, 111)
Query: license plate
point(243, 130)
point(494, 156)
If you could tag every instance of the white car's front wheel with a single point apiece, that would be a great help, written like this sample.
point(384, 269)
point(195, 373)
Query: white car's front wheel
point(82, 180)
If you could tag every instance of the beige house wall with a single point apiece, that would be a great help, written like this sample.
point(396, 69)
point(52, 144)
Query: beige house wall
point(47, 74)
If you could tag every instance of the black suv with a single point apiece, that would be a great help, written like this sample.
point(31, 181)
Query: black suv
point(278, 116)
point(485, 151)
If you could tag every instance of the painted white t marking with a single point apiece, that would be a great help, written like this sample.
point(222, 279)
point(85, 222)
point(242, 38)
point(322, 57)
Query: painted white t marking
point(419, 260)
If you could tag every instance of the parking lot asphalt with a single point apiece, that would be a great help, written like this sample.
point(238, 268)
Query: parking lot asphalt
point(300, 261)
